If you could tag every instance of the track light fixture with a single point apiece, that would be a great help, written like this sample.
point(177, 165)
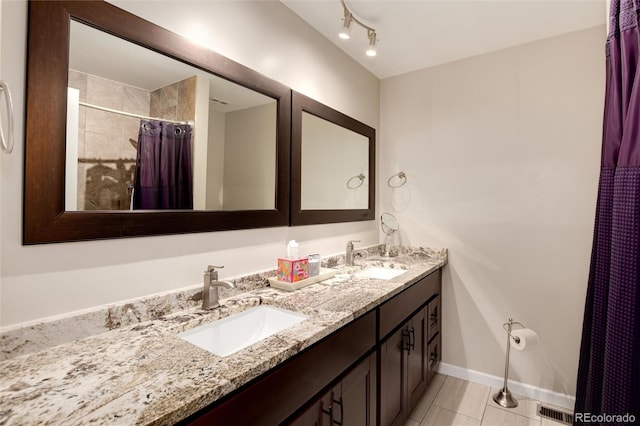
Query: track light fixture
point(345, 31)
point(372, 51)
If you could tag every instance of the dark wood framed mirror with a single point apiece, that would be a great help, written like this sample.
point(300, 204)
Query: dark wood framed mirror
point(332, 165)
point(47, 217)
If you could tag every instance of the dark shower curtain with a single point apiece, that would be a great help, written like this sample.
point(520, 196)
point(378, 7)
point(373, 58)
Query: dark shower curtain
point(163, 177)
point(609, 371)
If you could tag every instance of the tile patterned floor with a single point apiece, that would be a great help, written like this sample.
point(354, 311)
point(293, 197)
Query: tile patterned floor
point(452, 401)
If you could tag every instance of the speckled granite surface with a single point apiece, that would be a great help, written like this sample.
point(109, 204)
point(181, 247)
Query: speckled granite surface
point(39, 335)
point(143, 373)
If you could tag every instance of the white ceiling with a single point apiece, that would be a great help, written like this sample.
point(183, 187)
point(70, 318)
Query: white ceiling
point(423, 33)
point(97, 53)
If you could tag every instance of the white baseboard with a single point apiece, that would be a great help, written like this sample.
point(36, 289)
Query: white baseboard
point(540, 394)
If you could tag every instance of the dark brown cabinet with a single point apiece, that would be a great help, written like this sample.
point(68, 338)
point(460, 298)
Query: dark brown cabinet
point(433, 317)
point(416, 352)
point(319, 413)
point(434, 356)
point(391, 374)
point(359, 394)
point(410, 354)
point(434, 337)
point(352, 401)
point(403, 370)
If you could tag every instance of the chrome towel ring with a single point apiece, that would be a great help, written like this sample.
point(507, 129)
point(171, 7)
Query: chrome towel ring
point(356, 181)
point(7, 142)
point(402, 179)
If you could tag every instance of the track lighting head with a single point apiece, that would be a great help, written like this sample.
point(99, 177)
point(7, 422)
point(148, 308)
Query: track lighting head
point(372, 51)
point(345, 31)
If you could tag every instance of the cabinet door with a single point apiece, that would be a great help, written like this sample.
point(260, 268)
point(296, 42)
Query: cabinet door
point(358, 403)
point(392, 379)
point(416, 359)
point(322, 413)
point(310, 417)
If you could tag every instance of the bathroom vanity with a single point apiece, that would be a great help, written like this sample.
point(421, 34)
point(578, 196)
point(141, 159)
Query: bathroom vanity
point(336, 380)
point(364, 355)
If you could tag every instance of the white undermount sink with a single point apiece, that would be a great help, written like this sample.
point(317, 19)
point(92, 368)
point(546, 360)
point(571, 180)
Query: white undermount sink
point(228, 335)
point(380, 273)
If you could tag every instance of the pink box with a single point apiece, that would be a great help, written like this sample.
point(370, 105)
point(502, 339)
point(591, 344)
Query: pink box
point(293, 270)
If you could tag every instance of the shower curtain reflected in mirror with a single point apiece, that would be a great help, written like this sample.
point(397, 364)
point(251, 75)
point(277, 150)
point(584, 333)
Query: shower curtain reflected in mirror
point(163, 176)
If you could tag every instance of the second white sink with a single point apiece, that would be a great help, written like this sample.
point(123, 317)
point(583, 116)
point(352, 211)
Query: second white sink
point(228, 335)
point(380, 273)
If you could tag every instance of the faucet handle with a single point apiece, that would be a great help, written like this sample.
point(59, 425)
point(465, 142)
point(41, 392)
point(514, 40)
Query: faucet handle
point(212, 273)
point(212, 268)
point(352, 241)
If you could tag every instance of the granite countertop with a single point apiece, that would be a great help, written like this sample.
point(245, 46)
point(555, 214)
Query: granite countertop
point(144, 374)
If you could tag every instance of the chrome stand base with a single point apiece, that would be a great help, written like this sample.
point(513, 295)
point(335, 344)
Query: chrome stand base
point(505, 399)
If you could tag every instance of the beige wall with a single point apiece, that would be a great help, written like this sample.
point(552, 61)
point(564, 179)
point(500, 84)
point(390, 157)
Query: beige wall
point(215, 159)
point(332, 157)
point(501, 153)
point(250, 158)
point(45, 280)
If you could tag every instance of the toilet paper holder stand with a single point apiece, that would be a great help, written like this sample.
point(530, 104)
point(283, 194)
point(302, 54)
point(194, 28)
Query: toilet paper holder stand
point(503, 397)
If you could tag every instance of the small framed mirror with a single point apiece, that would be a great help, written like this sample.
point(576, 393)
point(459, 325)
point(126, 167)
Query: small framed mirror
point(333, 165)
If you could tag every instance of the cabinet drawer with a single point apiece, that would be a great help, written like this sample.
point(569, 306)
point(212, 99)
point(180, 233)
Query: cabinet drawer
point(394, 311)
point(435, 355)
point(434, 316)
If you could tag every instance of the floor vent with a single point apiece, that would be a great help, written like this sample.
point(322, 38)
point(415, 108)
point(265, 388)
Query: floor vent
point(555, 414)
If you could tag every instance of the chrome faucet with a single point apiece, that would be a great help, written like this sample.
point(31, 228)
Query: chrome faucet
point(348, 257)
point(211, 283)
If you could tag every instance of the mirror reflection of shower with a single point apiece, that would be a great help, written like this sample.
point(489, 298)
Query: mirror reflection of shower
point(389, 224)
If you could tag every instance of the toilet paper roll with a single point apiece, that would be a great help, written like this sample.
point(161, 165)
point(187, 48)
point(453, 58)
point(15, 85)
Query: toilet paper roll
point(528, 339)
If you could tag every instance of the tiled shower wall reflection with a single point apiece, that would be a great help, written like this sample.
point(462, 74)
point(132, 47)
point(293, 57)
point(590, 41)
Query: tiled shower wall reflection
point(175, 101)
point(107, 141)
